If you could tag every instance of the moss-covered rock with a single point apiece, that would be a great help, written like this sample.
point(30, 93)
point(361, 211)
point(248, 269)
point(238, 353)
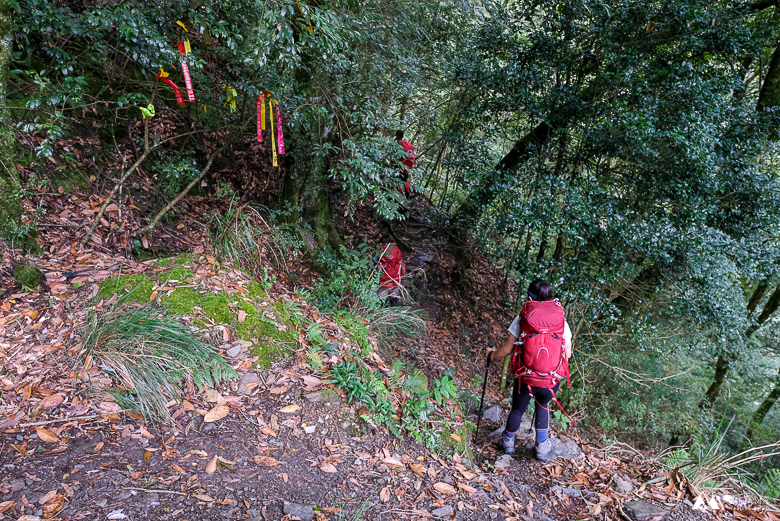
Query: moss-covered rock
point(27, 276)
point(271, 344)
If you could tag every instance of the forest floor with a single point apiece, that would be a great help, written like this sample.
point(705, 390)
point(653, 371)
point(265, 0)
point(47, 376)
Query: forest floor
point(287, 444)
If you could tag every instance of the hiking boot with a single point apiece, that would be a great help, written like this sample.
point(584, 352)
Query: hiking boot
point(543, 449)
point(508, 444)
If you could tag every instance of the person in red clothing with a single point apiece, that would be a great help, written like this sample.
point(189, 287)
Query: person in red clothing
point(406, 165)
point(392, 269)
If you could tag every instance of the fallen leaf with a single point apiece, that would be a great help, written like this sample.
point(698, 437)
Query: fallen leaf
point(31, 313)
point(31, 518)
point(51, 401)
point(328, 467)
point(445, 488)
point(147, 455)
point(241, 315)
point(204, 497)
point(290, 408)
point(392, 462)
point(46, 435)
point(455, 437)
point(311, 381)
point(46, 497)
point(217, 413)
point(465, 487)
point(53, 506)
point(211, 466)
point(268, 430)
point(5, 505)
point(265, 461)
point(418, 469)
point(384, 495)
point(109, 407)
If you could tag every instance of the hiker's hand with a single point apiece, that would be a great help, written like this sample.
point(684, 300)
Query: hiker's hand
point(568, 352)
point(491, 349)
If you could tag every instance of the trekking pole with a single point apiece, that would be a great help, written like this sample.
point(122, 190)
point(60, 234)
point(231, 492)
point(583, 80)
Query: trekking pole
point(482, 400)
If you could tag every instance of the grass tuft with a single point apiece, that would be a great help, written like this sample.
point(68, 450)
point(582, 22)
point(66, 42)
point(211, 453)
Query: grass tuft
point(243, 237)
point(152, 355)
point(389, 324)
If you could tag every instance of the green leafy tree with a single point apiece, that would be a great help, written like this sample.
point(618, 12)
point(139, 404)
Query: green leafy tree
point(10, 197)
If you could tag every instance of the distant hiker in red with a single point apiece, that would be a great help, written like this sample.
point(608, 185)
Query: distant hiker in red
point(540, 344)
point(406, 165)
point(392, 269)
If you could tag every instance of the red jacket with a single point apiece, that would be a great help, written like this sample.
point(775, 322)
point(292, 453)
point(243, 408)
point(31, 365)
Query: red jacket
point(392, 267)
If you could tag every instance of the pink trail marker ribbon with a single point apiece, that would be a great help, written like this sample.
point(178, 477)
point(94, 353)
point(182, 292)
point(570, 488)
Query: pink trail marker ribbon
point(279, 129)
point(187, 80)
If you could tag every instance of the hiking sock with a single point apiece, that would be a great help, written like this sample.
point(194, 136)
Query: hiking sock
point(541, 435)
point(509, 435)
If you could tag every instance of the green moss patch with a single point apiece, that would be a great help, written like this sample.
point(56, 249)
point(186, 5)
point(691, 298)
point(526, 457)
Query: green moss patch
point(27, 276)
point(139, 287)
point(182, 259)
point(183, 301)
point(270, 343)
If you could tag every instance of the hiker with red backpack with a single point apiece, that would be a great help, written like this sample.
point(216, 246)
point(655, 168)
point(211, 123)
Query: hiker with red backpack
point(391, 266)
point(540, 344)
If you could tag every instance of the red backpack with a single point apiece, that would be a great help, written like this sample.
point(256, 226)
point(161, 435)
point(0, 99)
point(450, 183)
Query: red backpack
point(539, 357)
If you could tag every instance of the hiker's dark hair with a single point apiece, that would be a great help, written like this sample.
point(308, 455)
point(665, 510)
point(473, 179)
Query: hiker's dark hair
point(386, 237)
point(399, 135)
point(540, 290)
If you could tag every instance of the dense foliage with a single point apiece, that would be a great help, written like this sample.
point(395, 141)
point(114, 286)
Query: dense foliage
point(626, 150)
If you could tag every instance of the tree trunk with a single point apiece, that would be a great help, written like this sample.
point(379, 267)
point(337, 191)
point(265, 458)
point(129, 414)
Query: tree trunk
point(721, 369)
point(306, 190)
point(757, 295)
point(522, 150)
point(724, 361)
point(769, 96)
point(10, 188)
point(764, 408)
point(769, 308)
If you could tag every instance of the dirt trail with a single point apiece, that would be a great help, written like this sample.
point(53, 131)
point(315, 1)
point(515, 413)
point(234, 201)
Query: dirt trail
point(289, 436)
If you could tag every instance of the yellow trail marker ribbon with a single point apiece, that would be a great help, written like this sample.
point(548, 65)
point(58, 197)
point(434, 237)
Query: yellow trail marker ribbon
point(179, 22)
point(308, 23)
point(232, 99)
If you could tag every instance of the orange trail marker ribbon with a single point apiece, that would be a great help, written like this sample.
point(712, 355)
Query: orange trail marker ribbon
point(176, 90)
point(279, 129)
